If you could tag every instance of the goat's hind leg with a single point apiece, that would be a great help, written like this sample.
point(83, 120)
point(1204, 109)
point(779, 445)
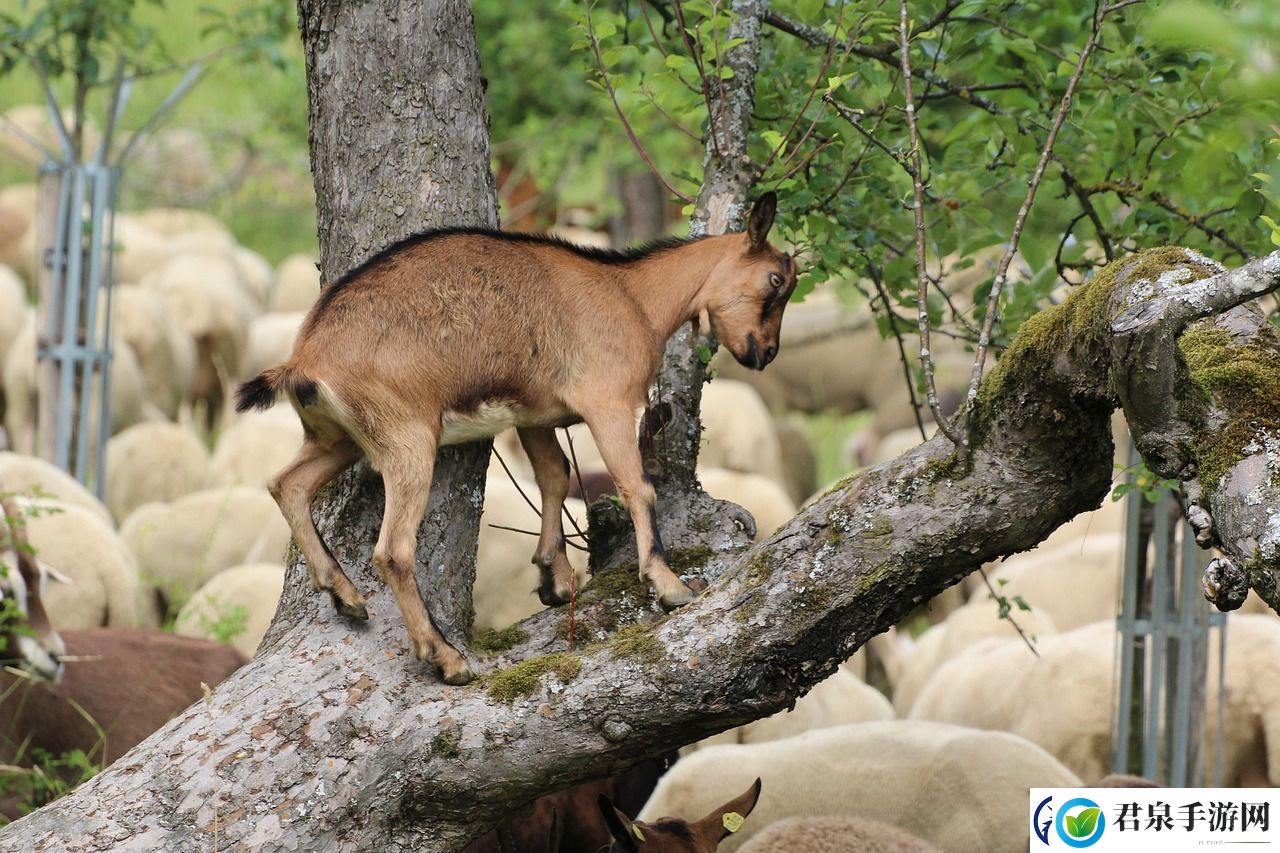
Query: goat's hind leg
point(551, 470)
point(294, 489)
point(406, 476)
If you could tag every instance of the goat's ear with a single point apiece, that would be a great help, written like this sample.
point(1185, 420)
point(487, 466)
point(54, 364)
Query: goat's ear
point(728, 818)
point(762, 219)
point(626, 833)
point(554, 833)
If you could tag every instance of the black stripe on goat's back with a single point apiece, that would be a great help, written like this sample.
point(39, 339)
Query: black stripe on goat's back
point(591, 253)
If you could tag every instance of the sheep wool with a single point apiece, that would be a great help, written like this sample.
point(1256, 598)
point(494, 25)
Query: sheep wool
point(505, 578)
point(297, 285)
point(235, 606)
point(155, 461)
point(255, 446)
point(956, 788)
point(105, 589)
point(181, 545)
point(835, 835)
point(839, 699)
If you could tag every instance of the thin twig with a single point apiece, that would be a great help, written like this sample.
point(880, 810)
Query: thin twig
point(622, 116)
point(568, 537)
point(1008, 616)
point(922, 283)
point(1002, 271)
point(817, 84)
point(902, 353)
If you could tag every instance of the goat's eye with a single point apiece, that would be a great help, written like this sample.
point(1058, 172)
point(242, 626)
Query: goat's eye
point(775, 280)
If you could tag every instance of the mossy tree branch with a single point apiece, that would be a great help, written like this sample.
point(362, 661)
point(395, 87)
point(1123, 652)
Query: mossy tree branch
point(1202, 397)
point(329, 740)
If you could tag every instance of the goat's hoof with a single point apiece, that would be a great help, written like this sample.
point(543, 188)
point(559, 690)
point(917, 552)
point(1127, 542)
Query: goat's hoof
point(677, 598)
point(458, 678)
point(356, 612)
point(552, 595)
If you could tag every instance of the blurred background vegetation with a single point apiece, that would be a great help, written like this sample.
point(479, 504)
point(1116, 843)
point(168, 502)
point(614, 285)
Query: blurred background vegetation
point(1172, 137)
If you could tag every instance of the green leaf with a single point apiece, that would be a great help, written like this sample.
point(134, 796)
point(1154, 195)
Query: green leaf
point(676, 60)
point(1073, 827)
point(1086, 821)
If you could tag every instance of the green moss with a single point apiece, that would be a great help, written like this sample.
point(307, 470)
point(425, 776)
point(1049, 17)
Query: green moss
point(638, 643)
point(1081, 322)
point(683, 560)
point(524, 678)
point(489, 641)
point(612, 584)
point(1242, 380)
point(446, 743)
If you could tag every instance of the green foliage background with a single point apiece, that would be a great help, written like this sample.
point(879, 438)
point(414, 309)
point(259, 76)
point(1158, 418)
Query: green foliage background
point(1171, 127)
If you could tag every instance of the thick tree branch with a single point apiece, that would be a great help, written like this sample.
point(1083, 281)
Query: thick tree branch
point(1200, 400)
point(327, 738)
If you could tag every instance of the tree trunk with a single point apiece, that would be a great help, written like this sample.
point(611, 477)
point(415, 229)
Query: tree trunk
point(335, 738)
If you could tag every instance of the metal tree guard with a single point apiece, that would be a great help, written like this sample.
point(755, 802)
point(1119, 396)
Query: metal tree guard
point(1164, 627)
point(76, 215)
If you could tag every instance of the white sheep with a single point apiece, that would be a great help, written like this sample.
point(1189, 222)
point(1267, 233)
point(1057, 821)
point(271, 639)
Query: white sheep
point(206, 300)
point(154, 461)
point(127, 396)
point(763, 497)
point(256, 273)
point(240, 601)
point(834, 834)
point(30, 474)
point(13, 311)
point(181, 545)
point(1062, 700)
point(839, 699)
point(297, 285)
point(139, 249)
point(33, 121)
point(253, 447)
point(957, 788)
point(505, 575)
point(914, 663)
point(17, 218)
point(104, 586)
point(270, 341)
point(738, 431)
point(166, 354)
point(174, 162)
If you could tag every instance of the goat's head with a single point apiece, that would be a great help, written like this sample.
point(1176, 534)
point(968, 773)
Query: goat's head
point(29, 639)
point(750, 289)
point(673, 835)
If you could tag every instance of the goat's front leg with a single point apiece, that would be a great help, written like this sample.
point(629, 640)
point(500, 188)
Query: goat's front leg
point(613, 429)
point(551, 470)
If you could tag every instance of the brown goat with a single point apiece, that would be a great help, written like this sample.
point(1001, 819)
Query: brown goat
point(570, 821)
point(119, 686)
point(455, 335)
point(674, 835)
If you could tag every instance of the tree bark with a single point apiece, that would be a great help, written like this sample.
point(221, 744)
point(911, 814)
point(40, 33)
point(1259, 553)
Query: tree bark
point(335, 738)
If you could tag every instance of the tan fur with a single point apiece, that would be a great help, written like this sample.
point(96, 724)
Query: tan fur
point(455, 336)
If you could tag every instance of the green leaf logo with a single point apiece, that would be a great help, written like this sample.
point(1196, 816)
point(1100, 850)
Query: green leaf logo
point(1082, 825)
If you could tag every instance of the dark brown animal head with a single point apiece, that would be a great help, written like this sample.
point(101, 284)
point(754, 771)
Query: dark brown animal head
point(30, 641)
point(673, 835)
point(750, 289)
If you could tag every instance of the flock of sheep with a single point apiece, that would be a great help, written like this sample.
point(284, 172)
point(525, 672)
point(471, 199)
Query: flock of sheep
point(187, 536)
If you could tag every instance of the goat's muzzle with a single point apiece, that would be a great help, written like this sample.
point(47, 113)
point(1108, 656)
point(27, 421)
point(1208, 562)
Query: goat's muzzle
point(755, 357)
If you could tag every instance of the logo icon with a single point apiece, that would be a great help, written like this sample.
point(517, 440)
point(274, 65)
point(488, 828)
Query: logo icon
point(1079, 823)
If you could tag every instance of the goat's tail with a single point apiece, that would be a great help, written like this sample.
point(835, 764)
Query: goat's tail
point(260, 392)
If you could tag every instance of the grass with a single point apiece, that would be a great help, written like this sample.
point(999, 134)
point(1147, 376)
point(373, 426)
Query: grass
point(828, 433)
